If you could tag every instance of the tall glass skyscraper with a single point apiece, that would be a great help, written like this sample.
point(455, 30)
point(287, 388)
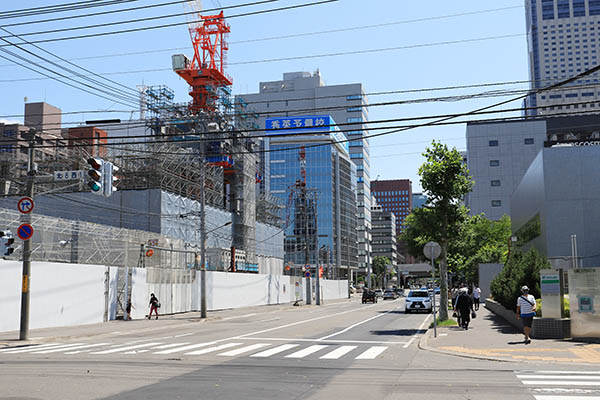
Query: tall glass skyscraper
point(563, 41)
point(309, 143)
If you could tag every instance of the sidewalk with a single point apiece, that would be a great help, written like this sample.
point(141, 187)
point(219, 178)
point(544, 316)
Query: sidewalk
point(491, 338)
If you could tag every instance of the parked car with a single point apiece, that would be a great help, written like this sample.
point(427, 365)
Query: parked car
point(399, 292)
point(437, 290)
point(389, 294)
point(368, 296)
point(378, 292)
point(417, 300)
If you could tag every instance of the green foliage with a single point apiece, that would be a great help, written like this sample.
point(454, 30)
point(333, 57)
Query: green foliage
point(521, 269)
point(379, 268)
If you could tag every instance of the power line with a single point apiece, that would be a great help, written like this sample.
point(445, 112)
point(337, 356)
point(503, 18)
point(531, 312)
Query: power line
point(175, 23)
point(57, 8)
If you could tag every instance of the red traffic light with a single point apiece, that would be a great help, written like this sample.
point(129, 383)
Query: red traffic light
point(96, 163)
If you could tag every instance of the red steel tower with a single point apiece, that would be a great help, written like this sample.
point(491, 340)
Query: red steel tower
point(205, 74)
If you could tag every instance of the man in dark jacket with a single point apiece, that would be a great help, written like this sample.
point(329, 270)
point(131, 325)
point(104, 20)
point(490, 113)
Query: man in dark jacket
point(464, 306)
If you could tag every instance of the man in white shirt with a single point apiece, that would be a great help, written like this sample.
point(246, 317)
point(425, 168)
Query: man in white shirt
point(476, 296)
point(526, 311)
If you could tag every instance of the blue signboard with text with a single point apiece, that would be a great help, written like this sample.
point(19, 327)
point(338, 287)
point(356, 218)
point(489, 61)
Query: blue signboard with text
point(309, 123)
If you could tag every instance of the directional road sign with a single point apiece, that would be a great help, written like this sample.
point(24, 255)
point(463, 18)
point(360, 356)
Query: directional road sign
point(25, 205)
point(25, 231)
point(307, 274)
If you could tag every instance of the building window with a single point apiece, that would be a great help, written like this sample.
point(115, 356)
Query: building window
point(494, 163)
point(493, 143)
point(353, 109)
point(496, 203)
point(529, 141)
point(354, 97)
point(496, 182)
point(355, 119)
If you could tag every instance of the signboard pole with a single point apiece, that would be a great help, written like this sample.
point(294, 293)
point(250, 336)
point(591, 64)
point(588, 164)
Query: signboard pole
point(24, 326)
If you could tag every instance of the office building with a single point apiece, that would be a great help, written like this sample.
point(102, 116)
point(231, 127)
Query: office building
point(563, 38)
point(558, 197)
point(303, 93)
point(418, 200)
point(324, 219)
point(394, 196)
point(499, 154)
point(384, 234)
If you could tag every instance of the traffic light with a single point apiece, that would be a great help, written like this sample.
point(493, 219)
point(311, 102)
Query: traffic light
point(7, 242)
point(102, 180)
point(96, 173)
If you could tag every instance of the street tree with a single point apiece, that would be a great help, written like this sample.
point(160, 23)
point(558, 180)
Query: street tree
point(445, 180)
point(380, 267)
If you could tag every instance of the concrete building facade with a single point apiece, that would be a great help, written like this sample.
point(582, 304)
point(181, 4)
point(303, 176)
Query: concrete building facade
point(304, 93)
point(384, 234)
point(563, 38)
point(557, 198)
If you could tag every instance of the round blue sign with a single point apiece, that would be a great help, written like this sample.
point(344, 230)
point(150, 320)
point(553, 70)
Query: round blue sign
point(307, 274)
point(25, 231)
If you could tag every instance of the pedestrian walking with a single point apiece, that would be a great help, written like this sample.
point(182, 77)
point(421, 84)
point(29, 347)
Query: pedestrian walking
point(476, 297)
point(526, 311)
point(128, 310)
point(154, 305)
point(464, 307)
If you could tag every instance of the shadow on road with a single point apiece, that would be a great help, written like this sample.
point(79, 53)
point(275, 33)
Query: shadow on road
point(399, 332)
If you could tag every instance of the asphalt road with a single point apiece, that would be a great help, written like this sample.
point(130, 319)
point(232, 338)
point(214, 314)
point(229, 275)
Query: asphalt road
point(342, 350)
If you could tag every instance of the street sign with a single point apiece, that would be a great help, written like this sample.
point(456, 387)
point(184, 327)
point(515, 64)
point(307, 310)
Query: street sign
point(307, 274)
point(25, 231)
point(432, 247)
point(25, 205)
point(149, 253)
point(68, 175)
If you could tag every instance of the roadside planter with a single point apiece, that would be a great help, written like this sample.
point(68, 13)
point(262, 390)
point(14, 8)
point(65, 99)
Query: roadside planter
point(543, 328)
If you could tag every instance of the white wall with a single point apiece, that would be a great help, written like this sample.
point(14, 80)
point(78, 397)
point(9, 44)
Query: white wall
point(61, 294)
point(232, 290)
point(333, 289)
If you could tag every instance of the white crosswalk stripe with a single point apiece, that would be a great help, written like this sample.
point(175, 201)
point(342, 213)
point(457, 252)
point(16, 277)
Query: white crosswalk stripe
point(275, 350)
point(339, 352)
point(372, 353)
point(561, 385)
point(308, 351)
point(126, 348)
point(211, 349)
point(243, 350)
point(256, 350)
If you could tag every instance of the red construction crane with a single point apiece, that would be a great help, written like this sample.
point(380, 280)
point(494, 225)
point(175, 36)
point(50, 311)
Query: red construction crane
point(205, 74)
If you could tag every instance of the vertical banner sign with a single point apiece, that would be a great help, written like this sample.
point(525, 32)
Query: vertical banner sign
point(25, 284)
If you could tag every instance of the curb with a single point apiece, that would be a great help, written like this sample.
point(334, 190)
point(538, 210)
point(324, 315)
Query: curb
point(424, 345)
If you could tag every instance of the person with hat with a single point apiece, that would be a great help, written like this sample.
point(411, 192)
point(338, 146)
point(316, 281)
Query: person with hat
point(526, 311)
point(464, 306)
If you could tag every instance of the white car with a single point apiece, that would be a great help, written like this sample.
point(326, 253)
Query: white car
point(417, 300)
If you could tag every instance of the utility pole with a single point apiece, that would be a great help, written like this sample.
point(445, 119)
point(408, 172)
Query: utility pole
point(24, 327)
point(203, 235)
point(349, 274)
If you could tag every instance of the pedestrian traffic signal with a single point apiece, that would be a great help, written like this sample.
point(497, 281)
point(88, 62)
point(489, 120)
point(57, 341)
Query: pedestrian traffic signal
point(96, 174)
point(7, 242)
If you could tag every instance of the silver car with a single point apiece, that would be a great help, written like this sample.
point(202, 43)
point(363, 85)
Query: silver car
point(417, 300)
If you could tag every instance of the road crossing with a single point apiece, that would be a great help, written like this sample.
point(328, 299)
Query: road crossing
point(329, 351)
point(561, 385)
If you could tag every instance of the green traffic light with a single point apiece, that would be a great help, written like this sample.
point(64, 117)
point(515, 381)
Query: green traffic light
point(94, 186)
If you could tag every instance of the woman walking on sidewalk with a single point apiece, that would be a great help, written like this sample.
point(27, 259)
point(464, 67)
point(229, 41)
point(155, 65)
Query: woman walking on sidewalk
point(154, 305)
point(464, 306)
point(526, 311)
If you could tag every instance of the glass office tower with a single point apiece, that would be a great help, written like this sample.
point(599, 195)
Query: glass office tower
point(309, 143)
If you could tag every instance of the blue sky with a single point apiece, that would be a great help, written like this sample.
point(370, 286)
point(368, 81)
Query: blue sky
point(474, 61)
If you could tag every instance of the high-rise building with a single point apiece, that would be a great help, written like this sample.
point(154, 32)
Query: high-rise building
point(313, 175)
point(563, 41)
point(303, 93)
point(384, 234)
point(394, 196)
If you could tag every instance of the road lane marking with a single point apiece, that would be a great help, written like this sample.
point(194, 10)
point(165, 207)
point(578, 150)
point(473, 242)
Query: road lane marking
point(322, 341)
point(238, 316)
point(184, 348)
point(126, 348)
point(417, 334)
point(33, 346)
point(371, 353)
point(597, 377)
point(168, 346)
point(56, 346)
point(211, 349)
point(562, 383)
point(83, 346)
point(184, 334)
point(562, 372)
point(275, 350)
point(337, 353)
point(243, 350)
point(307, 351)
point(562, 397)
point(357, 324)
